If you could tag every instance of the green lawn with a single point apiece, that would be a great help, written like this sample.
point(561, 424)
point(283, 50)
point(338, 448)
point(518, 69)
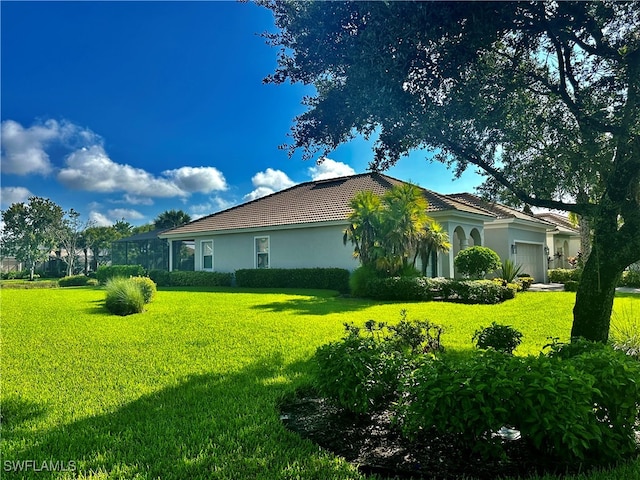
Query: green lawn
point(189, 389)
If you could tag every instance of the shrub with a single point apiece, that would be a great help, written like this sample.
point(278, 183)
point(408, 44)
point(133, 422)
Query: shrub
point(74, 281)
point(359, 372)
point(124, 296)
point(92, 282)
point(578, 406)
point(563, 275)
point(360, 280)
point(147, 287)
point(104, 272)
point(162, 278)
point(502, 338)
point(614, 398)
point(200, 279)
point(424, 289)
point(571, 286)
point(510, 270)
point(525, 282)
point(476, 262)
point(625, 332)
point(324, 278)
point(630, 278)
point(363, 371)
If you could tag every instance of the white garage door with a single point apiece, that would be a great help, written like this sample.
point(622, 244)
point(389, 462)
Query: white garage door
point(531, 258)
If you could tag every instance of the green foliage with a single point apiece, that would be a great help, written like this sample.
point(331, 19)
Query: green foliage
point(75, 281)
point(525, 282)
point(630, 278)
point(426, 289)
point(476, 262)
point(123, 296)
point(571, 286)
point(104, 272)
point(510, 270)
point(502, 338)
point(625, 331)
point(323, 278)
point(361, 372)
point(361, 278)
point(171, 219)
point(580, 408)
point(146, 286)
point(162, 278)
point(564, 275)
point(200, 279)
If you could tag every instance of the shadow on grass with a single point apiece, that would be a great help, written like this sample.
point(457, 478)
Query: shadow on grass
point(317, 305)
point(15, 411)
point(208, 426)
point(628, 295)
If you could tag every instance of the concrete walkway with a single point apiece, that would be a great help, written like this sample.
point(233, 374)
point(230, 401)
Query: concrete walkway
point(559, 287)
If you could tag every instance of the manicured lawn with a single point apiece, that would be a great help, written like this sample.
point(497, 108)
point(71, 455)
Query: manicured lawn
point(189, 389)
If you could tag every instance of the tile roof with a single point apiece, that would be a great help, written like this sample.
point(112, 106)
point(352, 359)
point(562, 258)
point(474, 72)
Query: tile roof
point(498, 210)
point(310, 202)
point(558, 220)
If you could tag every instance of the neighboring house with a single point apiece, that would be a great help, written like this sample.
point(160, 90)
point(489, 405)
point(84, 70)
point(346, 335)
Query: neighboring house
point(563, 242)
point(303, 227)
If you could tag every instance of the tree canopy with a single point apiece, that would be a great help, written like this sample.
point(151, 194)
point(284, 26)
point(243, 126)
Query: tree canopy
point(542, 97)
point(171, 219)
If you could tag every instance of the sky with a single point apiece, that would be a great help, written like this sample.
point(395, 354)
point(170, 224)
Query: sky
point(122, 110)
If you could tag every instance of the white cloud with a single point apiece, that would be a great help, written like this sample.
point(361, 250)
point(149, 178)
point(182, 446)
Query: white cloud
point(327, 168)
point(23, 149)
point(99, 219)
point(216, 204)
point(126, 213)
point(133, 200)
point(268, 182)
point(91, 169)
point(11, 195)
point(197, 179)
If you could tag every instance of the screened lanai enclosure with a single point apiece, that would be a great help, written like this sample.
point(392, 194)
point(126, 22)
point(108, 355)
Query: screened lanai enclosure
point(152, 253)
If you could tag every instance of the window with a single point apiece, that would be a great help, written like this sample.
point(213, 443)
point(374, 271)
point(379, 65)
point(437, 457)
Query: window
point(207, 254)
point(262, 252)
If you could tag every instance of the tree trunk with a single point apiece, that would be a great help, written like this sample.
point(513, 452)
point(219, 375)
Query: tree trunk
point(585, 237)
point(86, 260)
point(594, 299)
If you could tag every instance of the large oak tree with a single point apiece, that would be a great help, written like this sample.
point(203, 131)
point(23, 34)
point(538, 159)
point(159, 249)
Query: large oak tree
point(541, 96)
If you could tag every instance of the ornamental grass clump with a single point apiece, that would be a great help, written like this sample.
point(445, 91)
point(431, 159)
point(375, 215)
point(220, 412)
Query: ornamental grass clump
point(124, 296)
point(147, 287)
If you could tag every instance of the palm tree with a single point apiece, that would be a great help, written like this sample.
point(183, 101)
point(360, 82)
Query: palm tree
point(404, 220)
point(171, 219)
point(364, 221)
point(433, 240)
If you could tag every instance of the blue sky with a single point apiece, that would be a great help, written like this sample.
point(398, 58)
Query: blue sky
point(127, 109)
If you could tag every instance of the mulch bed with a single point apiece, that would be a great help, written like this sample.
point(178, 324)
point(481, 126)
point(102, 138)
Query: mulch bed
point(374, 444)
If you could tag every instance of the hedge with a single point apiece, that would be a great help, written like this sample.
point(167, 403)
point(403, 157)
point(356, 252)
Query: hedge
point(564, 275)
point(199, 279)
point(105, 273)
point(426, 289)
point(323, 278)
point(77, 281)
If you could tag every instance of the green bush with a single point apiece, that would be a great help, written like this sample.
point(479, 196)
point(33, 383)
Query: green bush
point(359, 373)
point(74, 281)
point(147, 287)
point(162, 278)
point(630, 278)
point(571, 286)
point(360, 280)
point(104, 272)
point(425, 289)
point(200, 279)
point(92, 282)
point(580, 408)
point(510, 270)
point(525, 282)
point(124, 296)
point(476, 262)
point(362, 372)
point(564, 275)
point(324, 278)
point(502, 338)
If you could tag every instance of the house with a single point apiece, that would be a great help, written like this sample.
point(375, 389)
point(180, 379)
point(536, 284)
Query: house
point(563, 242)
point(303, 227)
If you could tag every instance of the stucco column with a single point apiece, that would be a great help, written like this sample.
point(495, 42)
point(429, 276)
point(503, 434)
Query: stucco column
point(171, 255)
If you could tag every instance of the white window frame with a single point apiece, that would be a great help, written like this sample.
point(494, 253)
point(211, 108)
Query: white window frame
point(256, 253)
point(202, 255)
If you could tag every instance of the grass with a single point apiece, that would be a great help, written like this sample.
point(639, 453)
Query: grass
point(189, 389)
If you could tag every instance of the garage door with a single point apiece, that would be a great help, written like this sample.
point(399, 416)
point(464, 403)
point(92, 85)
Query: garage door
point(531, 258)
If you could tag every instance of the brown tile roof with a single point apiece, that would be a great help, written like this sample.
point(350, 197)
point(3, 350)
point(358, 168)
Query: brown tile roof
point(310, 202)
point(558, 220)
point(498, 210)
